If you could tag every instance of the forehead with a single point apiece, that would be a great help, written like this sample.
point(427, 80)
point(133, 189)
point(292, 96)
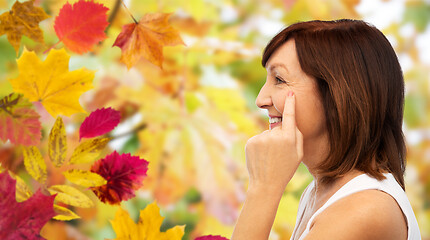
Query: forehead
point(275, 66)
point(285, 57)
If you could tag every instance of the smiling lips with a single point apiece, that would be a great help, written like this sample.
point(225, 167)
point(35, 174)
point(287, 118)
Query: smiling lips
point(274, 121)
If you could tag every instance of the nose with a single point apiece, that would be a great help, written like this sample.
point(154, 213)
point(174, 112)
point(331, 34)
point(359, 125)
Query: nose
point(264, 100)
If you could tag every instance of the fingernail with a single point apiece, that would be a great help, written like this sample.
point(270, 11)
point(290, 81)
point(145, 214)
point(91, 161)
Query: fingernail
point(290, 94)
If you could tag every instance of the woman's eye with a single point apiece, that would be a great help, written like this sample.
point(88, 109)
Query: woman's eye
point(279, 80)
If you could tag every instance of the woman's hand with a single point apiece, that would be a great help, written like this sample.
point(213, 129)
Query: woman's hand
point(273, 156)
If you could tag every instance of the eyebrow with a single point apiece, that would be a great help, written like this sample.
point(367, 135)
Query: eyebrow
point(275, 65)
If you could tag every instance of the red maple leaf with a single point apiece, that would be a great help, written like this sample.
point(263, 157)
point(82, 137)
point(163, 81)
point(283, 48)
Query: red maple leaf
point(99, 122)
point(25, 219)
point(210, 237)
point(82, 25)
point(124, 174)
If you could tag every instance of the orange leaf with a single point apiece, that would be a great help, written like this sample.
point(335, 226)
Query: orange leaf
point(23, 19)
point(147, 39)
point(82, 25)
point(18, 122)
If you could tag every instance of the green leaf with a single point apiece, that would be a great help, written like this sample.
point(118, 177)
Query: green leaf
point(131, 145)
point(418, 13)
point(192, 102)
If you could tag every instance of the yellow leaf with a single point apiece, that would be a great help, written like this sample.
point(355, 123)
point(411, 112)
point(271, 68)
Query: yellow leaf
point(286, 217)
point(3, 4)
point(197, 8)
point(23, 19)
point(34, 163)
point(197, 148)
point(147, 39)
point(51, 83)
point(89, 150)
point(104, 212)
point(124, 226)
point(303, 10)
point(148, 227)
point(57, 143)
point(84, 178)
point(213, 226)
point(232, 103)
point(71, 196)
point(23, 192)
point(64, 214)
point(190, 26)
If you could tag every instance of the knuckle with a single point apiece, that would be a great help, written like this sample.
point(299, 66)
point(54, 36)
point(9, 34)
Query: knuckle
point(249, 143)
point(252, 141)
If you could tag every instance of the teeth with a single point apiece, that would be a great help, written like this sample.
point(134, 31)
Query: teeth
point(275, 120)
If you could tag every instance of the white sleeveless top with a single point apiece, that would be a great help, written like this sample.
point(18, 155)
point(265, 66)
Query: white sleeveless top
point(360, 183)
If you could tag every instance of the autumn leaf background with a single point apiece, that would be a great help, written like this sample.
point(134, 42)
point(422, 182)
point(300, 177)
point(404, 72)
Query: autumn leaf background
point(181, 110)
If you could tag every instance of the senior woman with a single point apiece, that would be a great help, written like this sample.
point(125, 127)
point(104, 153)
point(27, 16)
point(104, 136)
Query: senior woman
point(334, 94)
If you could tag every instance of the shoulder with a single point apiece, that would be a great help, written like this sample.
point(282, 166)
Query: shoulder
point(368, 214)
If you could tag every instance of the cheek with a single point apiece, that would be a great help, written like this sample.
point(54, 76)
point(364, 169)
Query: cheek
point(301, 110)
point(310, 117)
point(279, 100)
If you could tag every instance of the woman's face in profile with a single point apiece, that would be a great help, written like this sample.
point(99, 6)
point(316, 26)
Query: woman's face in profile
point(284, 74)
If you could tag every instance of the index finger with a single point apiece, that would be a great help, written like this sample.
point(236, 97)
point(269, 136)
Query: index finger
point(289, 113)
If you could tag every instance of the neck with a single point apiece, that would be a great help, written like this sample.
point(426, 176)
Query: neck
point(315, 152)
point(323, 190)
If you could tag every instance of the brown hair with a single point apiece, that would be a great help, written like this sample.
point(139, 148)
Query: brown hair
point(362, 89)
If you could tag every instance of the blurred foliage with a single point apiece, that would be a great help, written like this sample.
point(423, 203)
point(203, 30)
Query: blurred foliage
point(191, 119)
